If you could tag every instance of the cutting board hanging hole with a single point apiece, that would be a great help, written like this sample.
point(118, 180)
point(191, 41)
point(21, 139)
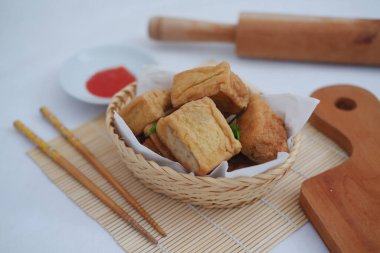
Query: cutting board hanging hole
point(345, 104)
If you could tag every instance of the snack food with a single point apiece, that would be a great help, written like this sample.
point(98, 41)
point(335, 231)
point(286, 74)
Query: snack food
point(217, 82)
point(149, 144)
point(158, 145)
point(198, 136)
point(186, 124)
point(262, 132)
point(145, 109)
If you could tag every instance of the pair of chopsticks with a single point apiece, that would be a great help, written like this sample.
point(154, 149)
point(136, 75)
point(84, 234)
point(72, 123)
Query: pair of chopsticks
point(81, 178)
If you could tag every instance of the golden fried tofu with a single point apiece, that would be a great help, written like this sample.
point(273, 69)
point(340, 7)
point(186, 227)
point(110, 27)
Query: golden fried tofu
point(149, 144)
point(145, 109)
point(198, 136)
point(159, 146)
point(217, 82)
point(262, 132)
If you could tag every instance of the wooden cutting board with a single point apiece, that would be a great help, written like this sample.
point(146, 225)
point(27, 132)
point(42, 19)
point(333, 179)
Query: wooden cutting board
point(343, 203)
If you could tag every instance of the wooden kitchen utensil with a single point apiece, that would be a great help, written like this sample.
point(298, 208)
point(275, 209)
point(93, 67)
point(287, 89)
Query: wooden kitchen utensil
point(284, 37)
point(81, 178)
point(90, 157)
point(343, 203)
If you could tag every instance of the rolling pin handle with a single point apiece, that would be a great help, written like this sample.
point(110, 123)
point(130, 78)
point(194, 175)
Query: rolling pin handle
point(176, 29)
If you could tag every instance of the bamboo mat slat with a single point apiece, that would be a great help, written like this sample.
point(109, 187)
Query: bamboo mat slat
point(253, 228)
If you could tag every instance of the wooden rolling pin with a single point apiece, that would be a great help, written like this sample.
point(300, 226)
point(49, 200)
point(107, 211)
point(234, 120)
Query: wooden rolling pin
point(284, 37)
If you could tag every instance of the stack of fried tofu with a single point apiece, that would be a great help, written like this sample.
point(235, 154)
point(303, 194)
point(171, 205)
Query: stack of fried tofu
point(187, 123)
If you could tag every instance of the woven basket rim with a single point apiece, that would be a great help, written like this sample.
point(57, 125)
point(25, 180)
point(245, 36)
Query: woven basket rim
point(118, 100)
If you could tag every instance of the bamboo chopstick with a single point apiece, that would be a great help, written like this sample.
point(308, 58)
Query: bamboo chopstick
point(100, 168)
point(81, 178)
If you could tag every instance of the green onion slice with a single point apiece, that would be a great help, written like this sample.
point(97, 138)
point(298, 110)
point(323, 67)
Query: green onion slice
point(151, 130)
point(235, 131)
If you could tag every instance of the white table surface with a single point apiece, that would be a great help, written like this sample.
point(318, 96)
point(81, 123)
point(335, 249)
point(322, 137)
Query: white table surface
point(37, 36)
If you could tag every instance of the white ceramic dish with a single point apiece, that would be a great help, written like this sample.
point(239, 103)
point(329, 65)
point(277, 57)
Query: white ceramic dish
point(76, 71)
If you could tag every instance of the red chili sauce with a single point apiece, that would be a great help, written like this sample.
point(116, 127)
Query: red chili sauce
point(107, 82)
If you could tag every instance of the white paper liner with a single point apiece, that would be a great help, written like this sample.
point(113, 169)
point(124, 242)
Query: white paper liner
point(294, 109)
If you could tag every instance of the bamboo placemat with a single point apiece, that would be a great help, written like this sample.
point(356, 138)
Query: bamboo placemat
point(253, 228)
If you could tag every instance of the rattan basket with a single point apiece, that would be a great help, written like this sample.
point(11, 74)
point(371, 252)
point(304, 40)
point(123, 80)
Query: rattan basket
point(203, 191)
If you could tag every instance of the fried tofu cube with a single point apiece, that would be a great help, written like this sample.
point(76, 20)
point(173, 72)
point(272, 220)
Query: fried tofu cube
point(262, 132)
point(225, 88)
point(198, 136)
point(145, 109)
point(149, 144)
point(160, 148)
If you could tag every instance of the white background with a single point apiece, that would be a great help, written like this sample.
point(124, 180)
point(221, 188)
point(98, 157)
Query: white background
point(37, 36)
